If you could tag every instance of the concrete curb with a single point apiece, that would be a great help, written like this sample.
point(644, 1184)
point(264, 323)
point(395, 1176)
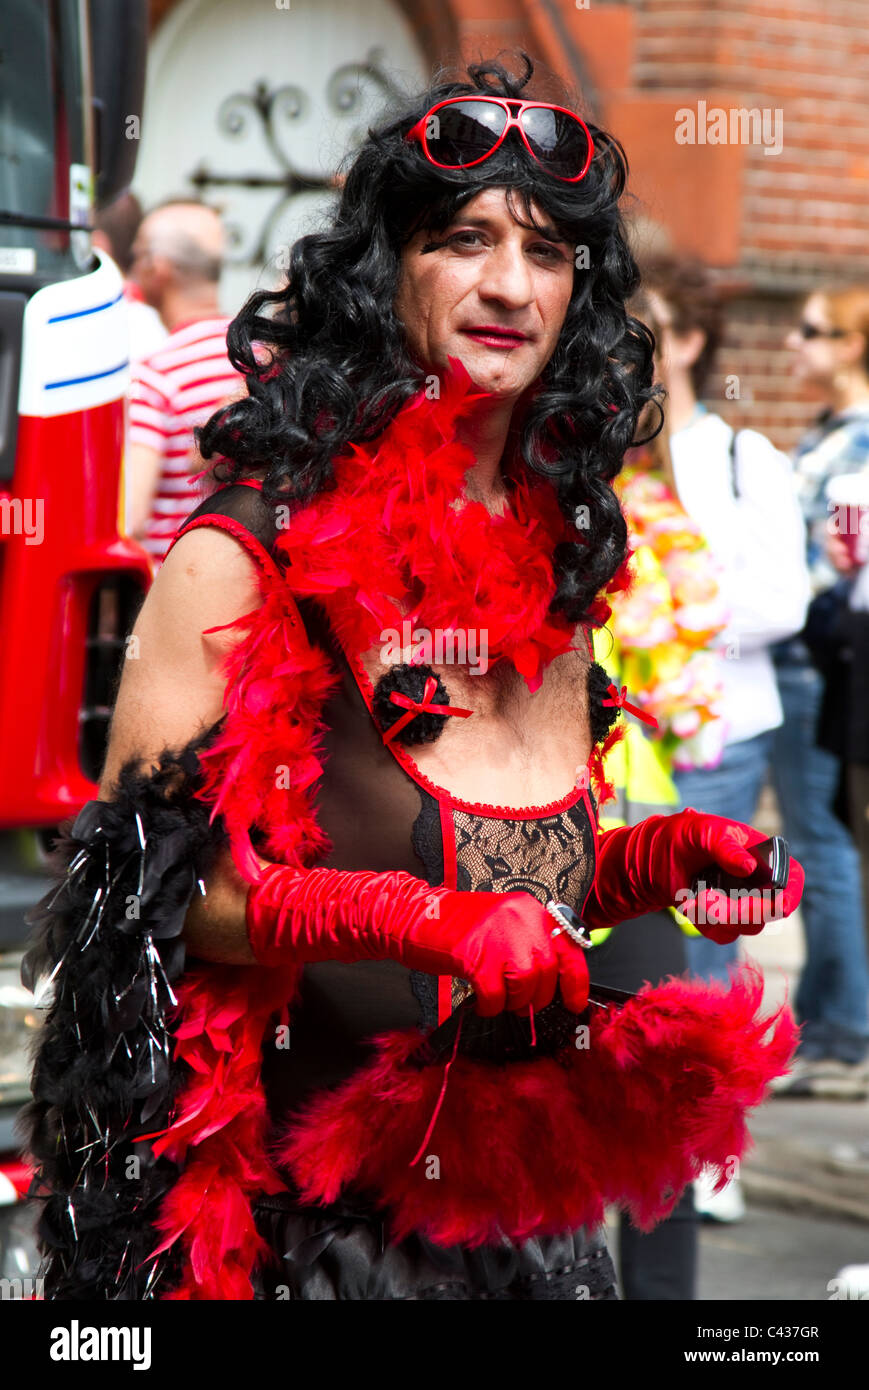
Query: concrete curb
point(767, 1191)
point(796, 1177)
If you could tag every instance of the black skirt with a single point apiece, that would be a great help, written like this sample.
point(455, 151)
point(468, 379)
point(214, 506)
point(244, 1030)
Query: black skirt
point(341, 1252)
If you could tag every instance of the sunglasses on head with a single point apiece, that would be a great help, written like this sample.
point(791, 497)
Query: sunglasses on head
point(811, 330)
point(463, 131)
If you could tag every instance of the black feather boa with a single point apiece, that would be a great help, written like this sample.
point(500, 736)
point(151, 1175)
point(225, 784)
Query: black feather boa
point(110, 931)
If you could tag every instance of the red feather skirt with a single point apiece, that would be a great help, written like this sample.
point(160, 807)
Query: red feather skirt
point(648, 1094)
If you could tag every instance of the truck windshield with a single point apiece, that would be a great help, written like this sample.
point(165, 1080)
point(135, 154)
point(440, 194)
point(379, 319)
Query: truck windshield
point(44, 122)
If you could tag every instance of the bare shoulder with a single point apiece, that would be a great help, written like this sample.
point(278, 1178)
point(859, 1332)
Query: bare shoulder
point(173, 682)
point(207, 572)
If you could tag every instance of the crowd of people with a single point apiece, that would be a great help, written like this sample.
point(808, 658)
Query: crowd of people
point(742, 636)
point(739, 656)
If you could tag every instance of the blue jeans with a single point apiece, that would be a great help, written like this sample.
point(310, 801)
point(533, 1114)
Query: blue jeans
point(832, 997)
point(731, 789)
point(832, 1001)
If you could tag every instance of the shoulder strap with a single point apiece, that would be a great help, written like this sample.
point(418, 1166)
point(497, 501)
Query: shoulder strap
point(239, 509)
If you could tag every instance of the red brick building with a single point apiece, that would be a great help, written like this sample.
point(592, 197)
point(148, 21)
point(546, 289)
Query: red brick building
point(772, 192)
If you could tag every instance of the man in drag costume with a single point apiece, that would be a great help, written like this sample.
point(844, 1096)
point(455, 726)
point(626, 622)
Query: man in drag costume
point(322, 1023)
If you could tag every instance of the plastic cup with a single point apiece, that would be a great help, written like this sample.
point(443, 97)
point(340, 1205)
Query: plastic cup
point(848, 503)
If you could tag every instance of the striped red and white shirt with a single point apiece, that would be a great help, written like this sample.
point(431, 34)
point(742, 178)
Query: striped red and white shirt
point(174, 388)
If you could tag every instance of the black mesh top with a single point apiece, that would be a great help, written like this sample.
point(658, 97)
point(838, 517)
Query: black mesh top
point(379, 816)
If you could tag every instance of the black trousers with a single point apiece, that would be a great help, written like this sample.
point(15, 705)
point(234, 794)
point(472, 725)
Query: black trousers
point(662, 1264)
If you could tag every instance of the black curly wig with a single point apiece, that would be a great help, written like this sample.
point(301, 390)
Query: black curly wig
point(332, 366)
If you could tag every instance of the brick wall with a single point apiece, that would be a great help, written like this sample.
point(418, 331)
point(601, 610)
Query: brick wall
point(753, 352)
point(773, 225)
point(808, 207)
point(798, 218)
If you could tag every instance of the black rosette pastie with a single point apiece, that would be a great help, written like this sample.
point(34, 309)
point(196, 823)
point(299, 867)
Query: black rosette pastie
point(601, 716)
point(409, 680)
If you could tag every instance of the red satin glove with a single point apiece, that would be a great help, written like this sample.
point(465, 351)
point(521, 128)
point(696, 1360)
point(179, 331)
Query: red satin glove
point(501, 942)
point(650, 866)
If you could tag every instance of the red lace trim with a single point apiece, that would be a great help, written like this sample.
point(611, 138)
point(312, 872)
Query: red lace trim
point(442, 794)
point(255, 549)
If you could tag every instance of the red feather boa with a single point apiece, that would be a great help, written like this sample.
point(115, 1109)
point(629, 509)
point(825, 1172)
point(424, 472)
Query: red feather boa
point(392, 519)
point(358, 549)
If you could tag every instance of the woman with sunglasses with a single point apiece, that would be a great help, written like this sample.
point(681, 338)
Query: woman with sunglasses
point(830, 347)
point(348, 774)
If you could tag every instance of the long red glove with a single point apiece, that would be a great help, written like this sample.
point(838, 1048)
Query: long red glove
point(650, 866)
point(502, 943)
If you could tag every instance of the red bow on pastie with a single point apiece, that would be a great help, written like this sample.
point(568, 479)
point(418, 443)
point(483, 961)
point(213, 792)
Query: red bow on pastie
point(618, 698)
point(423, 706)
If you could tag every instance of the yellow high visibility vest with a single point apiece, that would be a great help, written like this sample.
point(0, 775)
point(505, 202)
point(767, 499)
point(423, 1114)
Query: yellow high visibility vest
point(640, 769)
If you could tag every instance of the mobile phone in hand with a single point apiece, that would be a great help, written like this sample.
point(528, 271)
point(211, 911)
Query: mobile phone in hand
point(773, 868)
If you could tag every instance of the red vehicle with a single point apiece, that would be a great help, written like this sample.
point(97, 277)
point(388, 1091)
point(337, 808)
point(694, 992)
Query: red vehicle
point(71, 582)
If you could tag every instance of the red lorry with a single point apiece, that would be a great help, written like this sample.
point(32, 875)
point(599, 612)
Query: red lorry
point(71, 582)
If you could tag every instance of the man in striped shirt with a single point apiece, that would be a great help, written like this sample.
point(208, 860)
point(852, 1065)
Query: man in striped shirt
point(177, 258)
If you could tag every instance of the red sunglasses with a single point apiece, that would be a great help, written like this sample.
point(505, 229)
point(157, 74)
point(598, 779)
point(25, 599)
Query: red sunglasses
point(463, 131)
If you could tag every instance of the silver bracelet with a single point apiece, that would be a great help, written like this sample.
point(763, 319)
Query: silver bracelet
point(569, 922)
